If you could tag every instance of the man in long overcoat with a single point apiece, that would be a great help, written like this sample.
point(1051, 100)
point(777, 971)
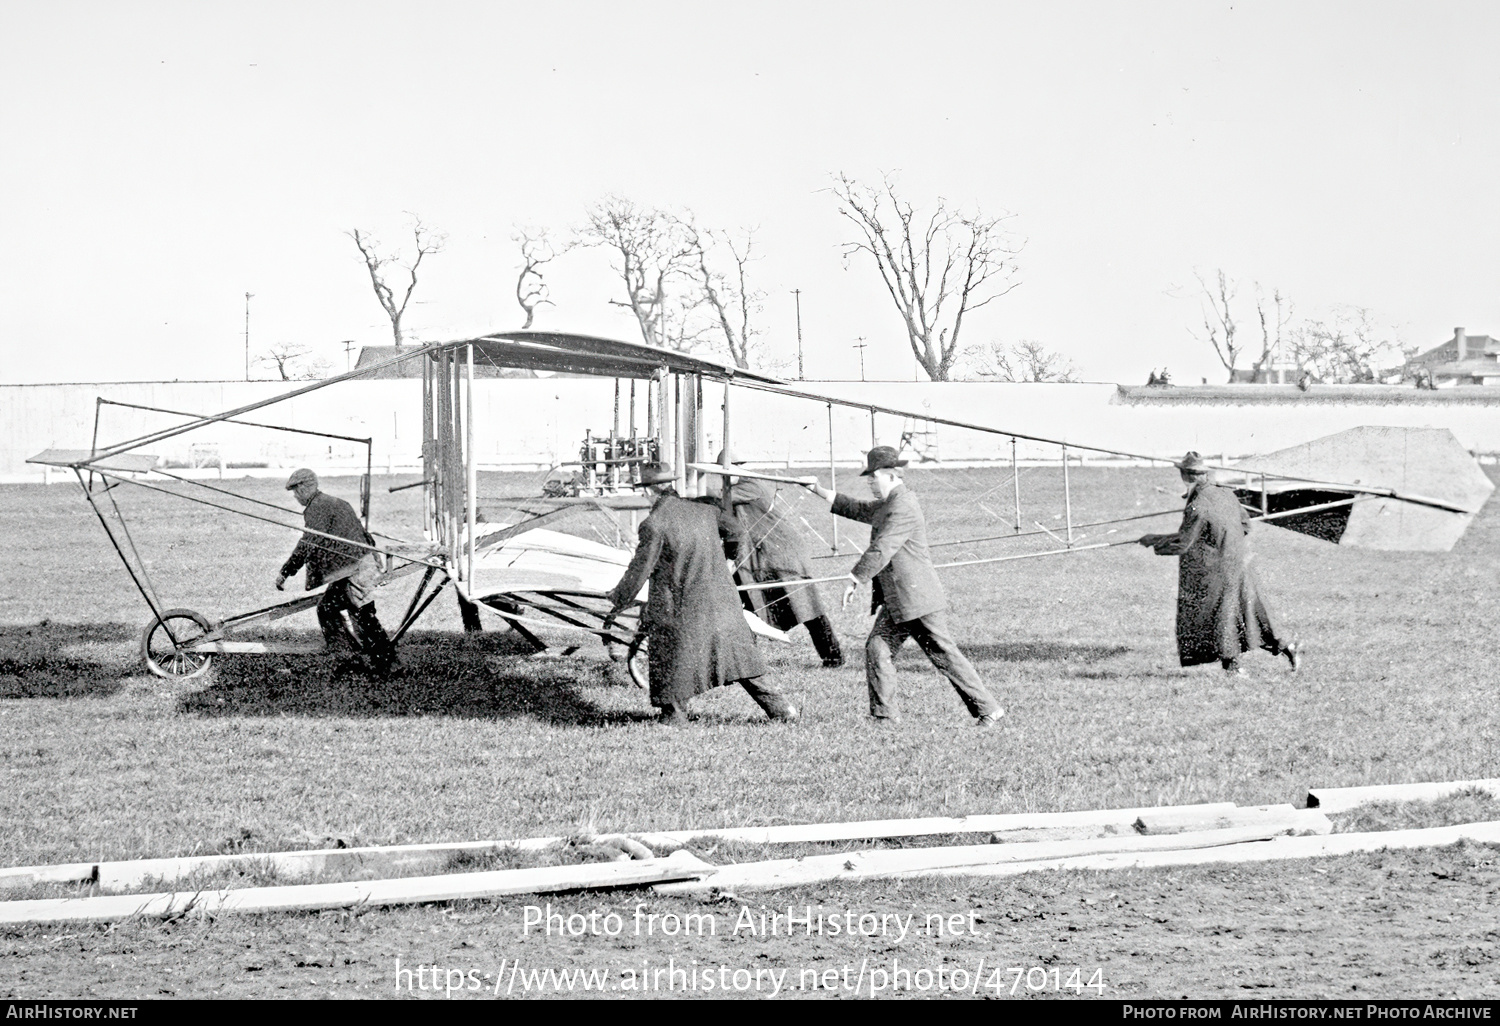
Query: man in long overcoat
point(766, 543)
point(1221, 612)
point(696, 630)
point(908, 599)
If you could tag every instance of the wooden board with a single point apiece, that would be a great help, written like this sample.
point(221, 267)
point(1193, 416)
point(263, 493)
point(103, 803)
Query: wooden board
point(1170, 821)
point(135, 872)
point(882, 863)
point(1342, 799)
point(409, 890)
point(260, 647)
point(885, 828)
point(1273, 850)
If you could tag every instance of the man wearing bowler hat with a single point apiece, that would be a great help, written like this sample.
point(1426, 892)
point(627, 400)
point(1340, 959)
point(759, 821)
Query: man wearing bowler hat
point(350, 571)
point(697, 636)
point(908, 599)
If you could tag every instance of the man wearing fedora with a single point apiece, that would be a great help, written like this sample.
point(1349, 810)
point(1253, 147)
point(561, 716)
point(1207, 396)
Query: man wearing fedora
point(908, 600)
point(768, 548)
point(350, 571)
point(696, 630)
point(1221, 612)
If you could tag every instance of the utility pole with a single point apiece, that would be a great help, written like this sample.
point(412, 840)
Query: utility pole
point(247, 335)
point(797, 294)
point(860, 345)
point(348, 345)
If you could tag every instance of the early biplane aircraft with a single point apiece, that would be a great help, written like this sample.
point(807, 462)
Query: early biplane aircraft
point(1382, 487)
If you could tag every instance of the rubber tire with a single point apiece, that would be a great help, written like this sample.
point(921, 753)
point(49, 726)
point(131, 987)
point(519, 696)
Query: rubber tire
point(183, 666)
point(638, 662)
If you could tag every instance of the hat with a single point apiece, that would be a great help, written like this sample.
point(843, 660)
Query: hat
point(726, 457)
point(882, 457)
point(1192, 463)
point(303, 476)
point(656, 473)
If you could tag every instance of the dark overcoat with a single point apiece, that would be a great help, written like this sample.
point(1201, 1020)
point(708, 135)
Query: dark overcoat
point(698, 638)
point(897, 558)
point(1220, 610)
point(767, 544)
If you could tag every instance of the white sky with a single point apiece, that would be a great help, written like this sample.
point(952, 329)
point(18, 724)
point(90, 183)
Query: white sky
point(159, 160)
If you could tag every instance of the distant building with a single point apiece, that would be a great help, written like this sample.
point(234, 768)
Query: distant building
point(1462, 360)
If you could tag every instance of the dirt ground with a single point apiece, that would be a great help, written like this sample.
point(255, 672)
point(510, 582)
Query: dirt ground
point(1422, 924)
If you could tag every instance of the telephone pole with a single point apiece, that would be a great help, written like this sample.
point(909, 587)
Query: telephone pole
point(797, 294)
point(861, 346)
point(248, 297)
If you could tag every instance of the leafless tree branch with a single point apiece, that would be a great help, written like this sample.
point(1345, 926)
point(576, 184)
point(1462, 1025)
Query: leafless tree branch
point(427, 241)
point(536, 252)
point(936, 269)
point(1026, 360)
point(653, 257)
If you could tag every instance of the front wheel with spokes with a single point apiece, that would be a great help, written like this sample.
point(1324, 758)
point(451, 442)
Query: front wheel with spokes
point(165, 645)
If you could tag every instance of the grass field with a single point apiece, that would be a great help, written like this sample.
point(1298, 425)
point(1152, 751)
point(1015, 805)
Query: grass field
point(104, 761)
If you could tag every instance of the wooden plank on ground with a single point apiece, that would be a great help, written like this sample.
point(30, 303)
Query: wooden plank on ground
point(878, 864)
point(1275, 849)
point(1342, 799)
point(928, 826)
point(309, 897)
point(1171, 821)
point(15, 877)
point(260, 647)
point(122, 875)
point(168, 872)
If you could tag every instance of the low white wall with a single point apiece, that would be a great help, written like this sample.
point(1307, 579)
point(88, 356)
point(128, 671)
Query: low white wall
point(537, 422)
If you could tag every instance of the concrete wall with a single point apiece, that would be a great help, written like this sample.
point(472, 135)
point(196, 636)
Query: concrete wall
point(537, 422)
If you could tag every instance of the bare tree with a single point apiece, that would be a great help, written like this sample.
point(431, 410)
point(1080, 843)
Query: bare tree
point(1219, 327)
point(1345, 348)
point(536, 252)
point(725, 290)
point(937, 268)
point(653, 256)
point(291, 361)
point(427, 240)
point(1026, 360)
point(1270, 336)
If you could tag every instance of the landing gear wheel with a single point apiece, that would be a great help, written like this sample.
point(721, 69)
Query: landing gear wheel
point(638, 662)
point(169, 660)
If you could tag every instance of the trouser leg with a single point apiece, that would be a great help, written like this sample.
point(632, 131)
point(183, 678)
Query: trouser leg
point(885, 640)
point(377, 642)
point(931, 632)
point(769, 698)
point(331, 616)
point(1273, 638)
point(825, 640)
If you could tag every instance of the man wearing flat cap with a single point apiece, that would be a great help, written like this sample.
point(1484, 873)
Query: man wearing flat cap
point(908, 600)
point(350, 571)
point(767, 547)
point(1221, 611)
point(697, 636)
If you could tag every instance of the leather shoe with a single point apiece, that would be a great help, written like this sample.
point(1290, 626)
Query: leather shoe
point(989, 720)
